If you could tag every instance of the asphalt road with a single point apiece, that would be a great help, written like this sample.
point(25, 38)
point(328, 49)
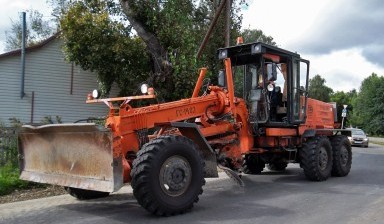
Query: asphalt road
point(268, 198)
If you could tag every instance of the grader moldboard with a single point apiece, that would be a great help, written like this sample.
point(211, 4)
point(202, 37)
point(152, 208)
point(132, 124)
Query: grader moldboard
point(258, 114)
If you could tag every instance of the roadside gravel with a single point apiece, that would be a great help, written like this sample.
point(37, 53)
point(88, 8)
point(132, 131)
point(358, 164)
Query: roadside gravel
point(33, 193)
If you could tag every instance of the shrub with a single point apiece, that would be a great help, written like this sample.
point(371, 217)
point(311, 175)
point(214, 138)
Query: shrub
point(9, 179)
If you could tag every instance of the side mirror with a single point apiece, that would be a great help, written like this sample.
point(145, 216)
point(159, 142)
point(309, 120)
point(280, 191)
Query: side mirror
point(271, 72)
point(302, 91)
point(221, 81)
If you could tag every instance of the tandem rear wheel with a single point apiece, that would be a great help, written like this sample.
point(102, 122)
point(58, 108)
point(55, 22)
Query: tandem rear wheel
point(342, 155)
point(316, 158)
point(322, 157)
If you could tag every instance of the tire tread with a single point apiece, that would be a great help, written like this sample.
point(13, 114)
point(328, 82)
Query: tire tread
point(142, 167)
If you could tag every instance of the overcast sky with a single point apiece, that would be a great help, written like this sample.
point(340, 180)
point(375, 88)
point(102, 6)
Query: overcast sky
point(343, 39)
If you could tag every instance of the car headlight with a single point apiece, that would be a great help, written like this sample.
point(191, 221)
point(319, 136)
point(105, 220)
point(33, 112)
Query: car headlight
point(365, 139)
point(349, 137)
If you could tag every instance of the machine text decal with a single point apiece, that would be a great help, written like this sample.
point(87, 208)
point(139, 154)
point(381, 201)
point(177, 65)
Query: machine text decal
point(185, 111)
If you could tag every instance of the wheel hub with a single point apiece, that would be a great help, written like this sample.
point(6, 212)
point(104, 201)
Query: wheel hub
point(175, 176)
point(344, 156)
point(323, 158)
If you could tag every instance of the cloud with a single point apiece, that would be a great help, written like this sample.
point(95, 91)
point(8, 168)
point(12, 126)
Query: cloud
point(374, 53)
point(343, 69)
point(12, 11)
point(349, 24)
point(284, 20)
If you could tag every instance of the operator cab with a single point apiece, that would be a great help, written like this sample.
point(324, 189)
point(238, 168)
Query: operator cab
point(271, 80)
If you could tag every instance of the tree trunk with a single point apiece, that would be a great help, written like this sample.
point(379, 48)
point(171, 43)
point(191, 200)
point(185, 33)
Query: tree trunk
point(161, 66)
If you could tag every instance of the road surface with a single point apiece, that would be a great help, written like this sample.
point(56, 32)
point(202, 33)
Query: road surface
point(272, 198)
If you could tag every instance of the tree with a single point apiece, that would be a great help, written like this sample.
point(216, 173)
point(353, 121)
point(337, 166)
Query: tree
point(168, 33)
point(97, 42)
point(318, 90)
point(344, 98)
point(255, 35)
point(37, 29)
point(59, 8)
point(369, 105)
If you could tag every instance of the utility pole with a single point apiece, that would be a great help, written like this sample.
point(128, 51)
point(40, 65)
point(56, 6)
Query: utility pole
point(228, 7)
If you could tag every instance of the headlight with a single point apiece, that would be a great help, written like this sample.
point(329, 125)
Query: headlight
point(270, 87)
point(256, 48)
point(144, 88)
point(223, 54)
point(95, 94)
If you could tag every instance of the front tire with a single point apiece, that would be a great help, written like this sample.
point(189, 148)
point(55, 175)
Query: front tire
point(316, 158)
point(167, 175)
point(342, 156)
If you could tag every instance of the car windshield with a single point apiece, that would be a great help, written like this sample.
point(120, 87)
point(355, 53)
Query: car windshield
point(357, 132)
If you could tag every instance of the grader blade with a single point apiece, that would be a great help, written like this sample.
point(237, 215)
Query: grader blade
point(72, 155)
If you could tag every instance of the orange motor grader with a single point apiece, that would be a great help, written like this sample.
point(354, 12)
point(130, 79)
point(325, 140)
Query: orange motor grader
point(258, 114)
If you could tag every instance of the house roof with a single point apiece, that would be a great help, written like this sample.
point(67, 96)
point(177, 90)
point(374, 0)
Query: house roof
point(31, 48)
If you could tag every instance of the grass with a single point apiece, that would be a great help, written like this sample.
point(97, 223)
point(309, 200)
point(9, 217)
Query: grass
point(9, 173)
point(9, 180)
point(375, 142)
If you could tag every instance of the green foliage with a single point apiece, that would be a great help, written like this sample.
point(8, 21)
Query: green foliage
point(9, 173)
point(49, 120)
point(173, 26)
point(204, 14)
point(344, 98)
point(15, 123)
point(318, 90)
point(8, 143)
point(97, 42)
point(37, 29)
point(59, 7)
point(369, 105)
point(97, 37)
point(255, 35)
point(9, 179)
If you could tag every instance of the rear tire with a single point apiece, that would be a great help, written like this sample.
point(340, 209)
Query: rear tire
point(253, 164)
point(168, 175)
point(82, 194)
point(342, 156)
point(316, 158)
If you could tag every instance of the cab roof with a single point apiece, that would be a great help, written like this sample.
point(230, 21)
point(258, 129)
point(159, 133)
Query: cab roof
point(247, 53)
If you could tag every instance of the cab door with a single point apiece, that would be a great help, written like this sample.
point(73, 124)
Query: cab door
point(299, 90)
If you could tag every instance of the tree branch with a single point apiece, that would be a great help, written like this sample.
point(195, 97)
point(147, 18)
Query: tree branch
point(153, 44)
